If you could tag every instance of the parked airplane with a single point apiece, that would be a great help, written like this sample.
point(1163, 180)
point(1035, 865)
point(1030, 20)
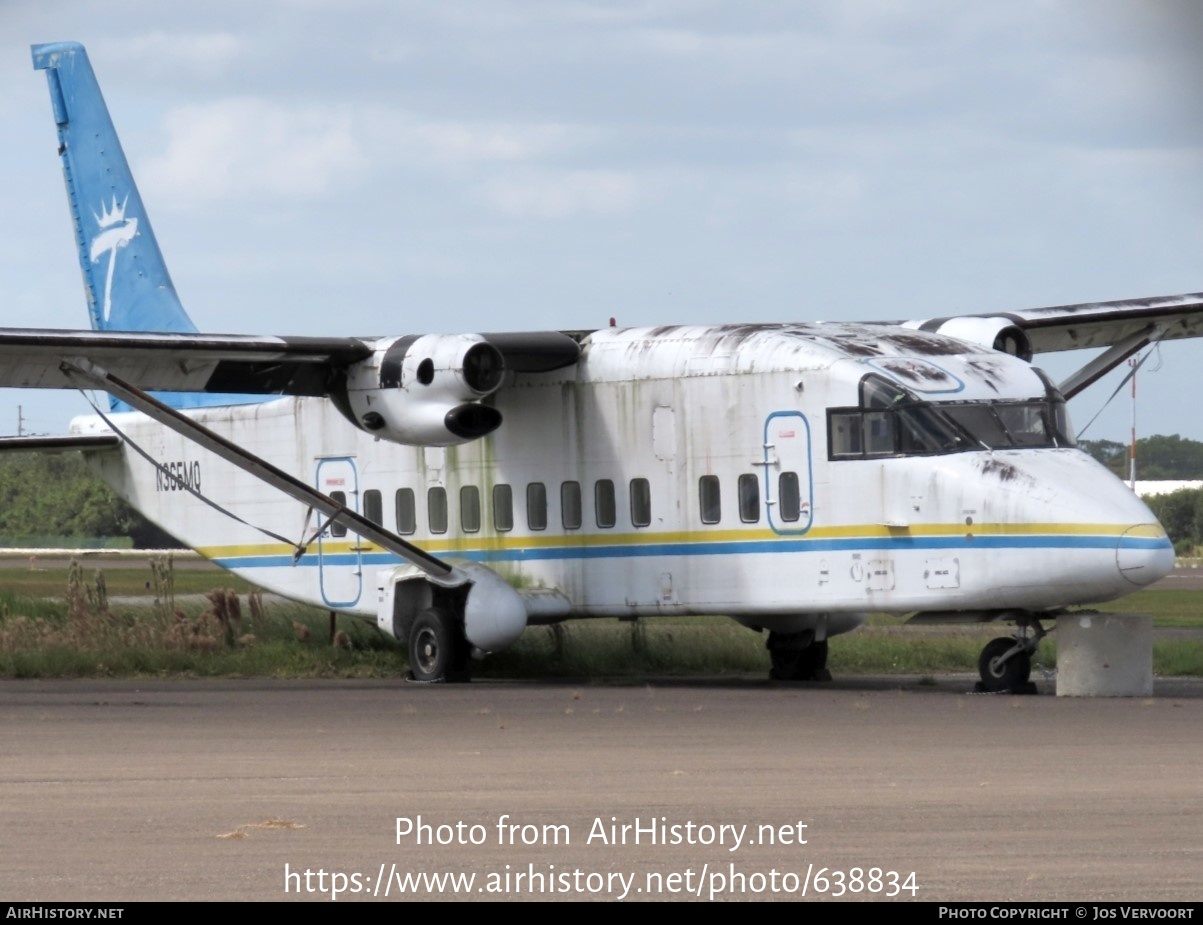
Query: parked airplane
point(459, 488)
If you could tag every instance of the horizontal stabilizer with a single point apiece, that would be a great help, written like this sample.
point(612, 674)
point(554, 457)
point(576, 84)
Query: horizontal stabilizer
point(63, 444)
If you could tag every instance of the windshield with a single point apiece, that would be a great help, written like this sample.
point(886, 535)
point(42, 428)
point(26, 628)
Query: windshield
point(893, 422)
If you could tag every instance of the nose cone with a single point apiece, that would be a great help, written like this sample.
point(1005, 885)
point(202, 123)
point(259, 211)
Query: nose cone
point(1144, 554)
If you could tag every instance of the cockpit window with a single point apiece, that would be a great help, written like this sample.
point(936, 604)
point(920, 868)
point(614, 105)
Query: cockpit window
point(978, 420)
point(893, 422)
point(1001, 424)
point(1026, 423)
point(1061, 425)
point(877, 393)
point(923, 430)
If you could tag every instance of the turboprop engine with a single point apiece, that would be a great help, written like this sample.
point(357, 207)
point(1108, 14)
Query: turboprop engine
point(997, 333)
point(426, 390)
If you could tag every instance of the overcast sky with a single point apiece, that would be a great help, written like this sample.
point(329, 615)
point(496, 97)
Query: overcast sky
point(367, 167)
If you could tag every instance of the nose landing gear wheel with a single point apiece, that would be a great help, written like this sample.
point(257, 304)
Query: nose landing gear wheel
point(999, 675)
point(791, 663)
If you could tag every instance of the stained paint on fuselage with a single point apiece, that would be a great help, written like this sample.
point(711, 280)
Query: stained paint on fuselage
point(1014, 528)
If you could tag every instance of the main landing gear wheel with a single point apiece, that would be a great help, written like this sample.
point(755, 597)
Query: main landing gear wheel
point(436, 650)
point(1004, 675)
point(793, 661)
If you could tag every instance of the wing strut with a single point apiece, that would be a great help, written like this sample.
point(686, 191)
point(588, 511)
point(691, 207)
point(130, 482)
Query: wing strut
point(98, 377)
point(1108, 360)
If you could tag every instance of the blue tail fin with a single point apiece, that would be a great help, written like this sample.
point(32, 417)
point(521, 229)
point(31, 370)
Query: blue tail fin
point(126, 281)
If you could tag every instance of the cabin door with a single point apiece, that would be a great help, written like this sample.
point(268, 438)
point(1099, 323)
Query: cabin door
point(339, 552)
point(788, 491)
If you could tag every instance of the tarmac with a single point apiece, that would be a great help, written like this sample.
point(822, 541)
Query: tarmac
point(729, 789)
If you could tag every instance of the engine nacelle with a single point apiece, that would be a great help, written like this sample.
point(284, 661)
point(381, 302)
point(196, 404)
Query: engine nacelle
point(1000, 334)
point(426, 390)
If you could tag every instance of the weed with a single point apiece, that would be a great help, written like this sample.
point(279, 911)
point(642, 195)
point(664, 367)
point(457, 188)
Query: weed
point(86, 634)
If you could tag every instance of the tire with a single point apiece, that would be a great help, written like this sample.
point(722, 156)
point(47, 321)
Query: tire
point(434, 647)
point(1009, 676)
point(792, 664)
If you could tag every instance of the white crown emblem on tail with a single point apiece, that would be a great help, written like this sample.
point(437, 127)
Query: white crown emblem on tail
point(116, 231)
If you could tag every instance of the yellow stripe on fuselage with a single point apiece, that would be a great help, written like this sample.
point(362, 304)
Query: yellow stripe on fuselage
point(485, 543)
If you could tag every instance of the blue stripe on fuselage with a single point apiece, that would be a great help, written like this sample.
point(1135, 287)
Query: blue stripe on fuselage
point(750, 547)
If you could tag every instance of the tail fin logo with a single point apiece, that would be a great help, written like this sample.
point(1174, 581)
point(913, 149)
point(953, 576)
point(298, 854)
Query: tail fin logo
point(116, 231)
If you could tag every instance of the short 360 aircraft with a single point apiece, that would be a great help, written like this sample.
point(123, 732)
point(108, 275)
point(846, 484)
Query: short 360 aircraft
point(459, 488)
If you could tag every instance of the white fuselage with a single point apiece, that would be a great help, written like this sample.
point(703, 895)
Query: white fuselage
point(680, 471)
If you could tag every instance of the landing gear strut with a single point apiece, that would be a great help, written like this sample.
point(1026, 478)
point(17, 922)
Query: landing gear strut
point(437, 649)
point(797, 657)
point(1006, 663)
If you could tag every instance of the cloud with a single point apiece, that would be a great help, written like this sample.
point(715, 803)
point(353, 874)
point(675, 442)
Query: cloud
point(203, 53)
point(467, 141)
point(256, 149)
point(562, 194)
point(247, 147)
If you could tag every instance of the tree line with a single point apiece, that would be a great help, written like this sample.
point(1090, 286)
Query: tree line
point(1161, 457)
point(1157, 457)
point(48, 496)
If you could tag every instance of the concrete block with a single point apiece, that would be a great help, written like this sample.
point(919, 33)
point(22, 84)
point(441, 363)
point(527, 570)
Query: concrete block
point(1104, 655)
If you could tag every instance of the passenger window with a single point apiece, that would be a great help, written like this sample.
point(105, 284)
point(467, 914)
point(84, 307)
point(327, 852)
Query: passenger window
point(604, 502)
point(503, 508)
point(373, 506)
point(570, 505)
point(436, 509)
point(407, 514)
point(641, 502)
point(536, 506)
point(749, 499)
point(789, 497)
point(341, 498)
point(709, 499)
point(469, 508)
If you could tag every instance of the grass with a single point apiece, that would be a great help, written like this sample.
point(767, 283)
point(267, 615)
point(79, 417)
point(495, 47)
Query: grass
point(287, 641)
point(1168, 608)
point(1180, 658)
point(179, 624)
point(34, 582)
point(613, 648)
point(202, 623)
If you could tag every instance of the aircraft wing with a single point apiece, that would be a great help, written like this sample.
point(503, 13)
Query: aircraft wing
point(1123, 327)
point(31, 358)
point(229, 363)
point(1089, 324)
point(1104, 324)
